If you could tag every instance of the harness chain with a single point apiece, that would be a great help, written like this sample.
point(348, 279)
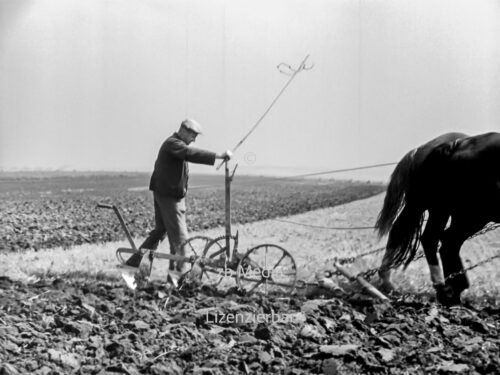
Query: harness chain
point(350, 260)
point(373, 271)
point(486, 229)
point(452, 275)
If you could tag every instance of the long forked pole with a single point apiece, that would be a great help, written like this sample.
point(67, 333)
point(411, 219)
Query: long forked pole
point(301, 67)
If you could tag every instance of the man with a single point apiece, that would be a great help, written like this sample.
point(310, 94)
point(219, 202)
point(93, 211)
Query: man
point(169, 184)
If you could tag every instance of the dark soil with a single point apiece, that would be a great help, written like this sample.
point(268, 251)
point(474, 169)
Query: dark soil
point(68, 326)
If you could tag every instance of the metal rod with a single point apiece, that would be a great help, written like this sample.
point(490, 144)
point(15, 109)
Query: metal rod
point(295, 72)
point(228, 209)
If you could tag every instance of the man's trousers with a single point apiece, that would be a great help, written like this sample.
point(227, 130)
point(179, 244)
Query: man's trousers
point(170, 220)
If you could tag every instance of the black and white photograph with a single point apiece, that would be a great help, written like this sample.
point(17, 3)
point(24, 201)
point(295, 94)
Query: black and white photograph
point(249, 187)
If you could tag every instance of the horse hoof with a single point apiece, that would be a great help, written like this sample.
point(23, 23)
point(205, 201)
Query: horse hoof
point(387, 287)
point(458, 284)
point(446, 296)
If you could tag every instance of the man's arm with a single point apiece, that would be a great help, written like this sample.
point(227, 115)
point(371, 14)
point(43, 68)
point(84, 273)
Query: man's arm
point(196, 155)
point(180, 150)
point(199, 156)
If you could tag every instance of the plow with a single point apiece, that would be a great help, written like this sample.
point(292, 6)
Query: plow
point(265, 268)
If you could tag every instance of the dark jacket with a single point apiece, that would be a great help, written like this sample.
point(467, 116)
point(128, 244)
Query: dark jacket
point(171, 173)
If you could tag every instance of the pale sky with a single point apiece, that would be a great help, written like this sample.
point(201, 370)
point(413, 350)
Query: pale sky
point(99, 84)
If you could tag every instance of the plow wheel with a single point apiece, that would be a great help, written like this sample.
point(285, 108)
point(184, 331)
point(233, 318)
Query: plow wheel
point(215, 263)
point(267, 269)
point(195, 246)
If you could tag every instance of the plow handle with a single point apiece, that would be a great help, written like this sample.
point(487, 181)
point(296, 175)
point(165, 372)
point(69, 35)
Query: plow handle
point(122, 222)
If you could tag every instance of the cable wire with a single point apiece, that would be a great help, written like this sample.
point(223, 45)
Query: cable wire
point(271, 180)
point(321, 227)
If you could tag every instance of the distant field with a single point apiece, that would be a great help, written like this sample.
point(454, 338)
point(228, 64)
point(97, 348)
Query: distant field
point(46, 210)
point(35, 185)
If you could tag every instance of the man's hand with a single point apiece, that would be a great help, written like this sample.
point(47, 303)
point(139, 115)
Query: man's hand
point(226, 155)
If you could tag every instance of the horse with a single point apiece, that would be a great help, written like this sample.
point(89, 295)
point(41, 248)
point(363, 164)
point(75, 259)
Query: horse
point(455, 178)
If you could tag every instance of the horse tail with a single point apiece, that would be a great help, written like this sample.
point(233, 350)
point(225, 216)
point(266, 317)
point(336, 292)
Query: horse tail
point(396, 193)
point(404, 237)
point(401, 215)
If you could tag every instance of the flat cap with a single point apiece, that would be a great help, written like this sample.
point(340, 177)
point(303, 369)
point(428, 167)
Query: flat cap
point(192, 125)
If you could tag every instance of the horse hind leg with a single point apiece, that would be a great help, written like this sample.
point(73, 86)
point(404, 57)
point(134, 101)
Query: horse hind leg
point(456, 280)
point(430, 240)
point(452, 240)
